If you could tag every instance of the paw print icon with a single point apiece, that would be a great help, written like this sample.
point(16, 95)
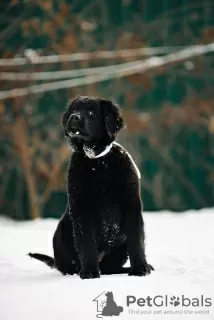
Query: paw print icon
point(175, 301)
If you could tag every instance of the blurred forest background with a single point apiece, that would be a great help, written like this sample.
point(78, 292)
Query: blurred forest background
point(155, 58)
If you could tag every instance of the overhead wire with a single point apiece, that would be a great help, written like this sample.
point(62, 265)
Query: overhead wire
point(123, 72)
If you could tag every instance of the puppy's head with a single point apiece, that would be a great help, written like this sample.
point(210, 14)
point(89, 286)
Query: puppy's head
point(92, 121)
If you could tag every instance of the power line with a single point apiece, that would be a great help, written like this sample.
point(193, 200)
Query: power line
point(123, 72)
point(125, 53)
point(51, 75)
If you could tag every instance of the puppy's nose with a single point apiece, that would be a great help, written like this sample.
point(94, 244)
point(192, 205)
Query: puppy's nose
point(75, 117)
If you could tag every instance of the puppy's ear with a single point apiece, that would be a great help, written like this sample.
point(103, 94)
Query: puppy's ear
point(113, 118)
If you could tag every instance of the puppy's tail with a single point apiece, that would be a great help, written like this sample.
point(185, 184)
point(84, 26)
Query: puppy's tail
point(42, 257)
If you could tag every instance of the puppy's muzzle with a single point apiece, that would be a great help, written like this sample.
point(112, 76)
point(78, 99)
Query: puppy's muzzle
point(74, 121)
point(75, 124)
point(75, 118)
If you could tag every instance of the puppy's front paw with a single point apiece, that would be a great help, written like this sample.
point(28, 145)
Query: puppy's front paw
point(89, 275)
point(142, 270)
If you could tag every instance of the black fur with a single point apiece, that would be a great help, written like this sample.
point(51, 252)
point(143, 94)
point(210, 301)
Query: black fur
point(44, 258)
point(103, 223)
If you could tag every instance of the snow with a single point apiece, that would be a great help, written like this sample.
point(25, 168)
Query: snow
point(179, 246)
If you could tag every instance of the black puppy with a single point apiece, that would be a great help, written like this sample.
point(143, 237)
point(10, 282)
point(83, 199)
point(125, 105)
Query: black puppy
point(103, 223)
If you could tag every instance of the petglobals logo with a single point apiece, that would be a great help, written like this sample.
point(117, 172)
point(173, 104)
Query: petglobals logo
point(106, 305)
point(168, 305)
point(166, 301)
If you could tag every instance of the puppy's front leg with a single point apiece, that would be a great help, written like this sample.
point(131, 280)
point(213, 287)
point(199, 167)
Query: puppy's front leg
point(88, 255)
point(84, 239)
point(134, 228)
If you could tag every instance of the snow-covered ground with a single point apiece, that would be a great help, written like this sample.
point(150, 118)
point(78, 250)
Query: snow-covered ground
point(179, 246)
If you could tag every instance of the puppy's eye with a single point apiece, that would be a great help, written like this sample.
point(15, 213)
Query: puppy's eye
point(91, 113)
